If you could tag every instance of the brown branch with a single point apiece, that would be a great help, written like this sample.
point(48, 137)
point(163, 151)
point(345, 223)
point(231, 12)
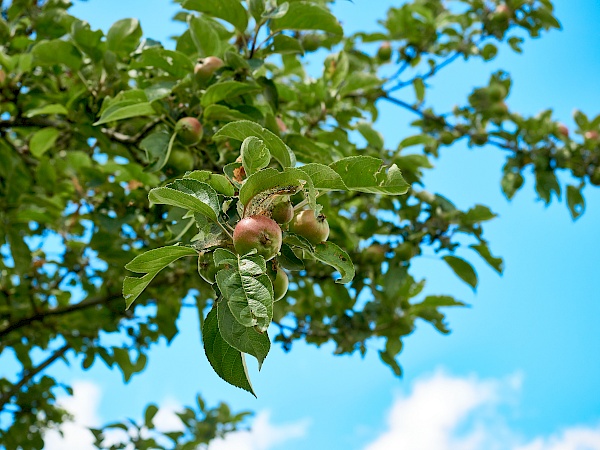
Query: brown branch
point(58, 312)
point(126, 139)
point(29, 122)
point(28, 375)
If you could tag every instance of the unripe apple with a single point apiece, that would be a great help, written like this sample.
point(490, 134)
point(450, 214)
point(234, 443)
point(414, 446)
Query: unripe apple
point(181, 160)
point(260, 233)
point(374, 254)
point(207, 67)
point(314, 229)
point(479, 138)
point(311, 42)
point(562, 129)
point(282, 212)
point(384, 54)
point(280, 284)
point(189, 130)
point(503, 11)
point(591, 135)
point(207, 268)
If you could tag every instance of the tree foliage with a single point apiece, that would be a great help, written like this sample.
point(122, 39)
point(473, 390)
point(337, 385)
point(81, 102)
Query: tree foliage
point(105, 210)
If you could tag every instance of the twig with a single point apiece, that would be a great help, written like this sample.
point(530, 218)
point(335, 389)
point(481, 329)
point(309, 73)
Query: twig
point(28, 375)
point(57, 312)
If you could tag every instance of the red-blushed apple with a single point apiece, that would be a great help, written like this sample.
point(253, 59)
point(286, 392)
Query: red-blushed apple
point(562, 129)
point(189, 130)
point(591, 135)
point(313, 228)
point(384, 53)
point(205, 68)
point(260, 233)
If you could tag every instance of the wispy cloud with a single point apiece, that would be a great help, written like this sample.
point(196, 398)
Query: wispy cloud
point(263, 435)
point(452, 413)
point(83, 406)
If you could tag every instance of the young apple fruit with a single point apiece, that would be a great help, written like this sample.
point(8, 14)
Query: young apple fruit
point(207, 67)
point(313, 228)
point(384, 54)
point(260, 233)
point(280, 284)
point(189, 130)
point(282, 212)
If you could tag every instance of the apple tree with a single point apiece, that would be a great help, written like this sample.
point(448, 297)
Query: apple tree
point(139, 179)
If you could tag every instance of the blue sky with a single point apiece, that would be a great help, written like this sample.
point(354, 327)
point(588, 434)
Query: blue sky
point(520, 369)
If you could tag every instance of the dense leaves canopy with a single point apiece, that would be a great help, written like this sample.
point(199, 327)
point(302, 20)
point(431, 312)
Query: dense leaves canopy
point(95, 182)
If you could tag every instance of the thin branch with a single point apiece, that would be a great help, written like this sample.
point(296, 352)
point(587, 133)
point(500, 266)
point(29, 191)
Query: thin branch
point(435, 69)
point(57, 312)
point(28, 375)
point(440, 119)
point(126, 139)
point(29, 122)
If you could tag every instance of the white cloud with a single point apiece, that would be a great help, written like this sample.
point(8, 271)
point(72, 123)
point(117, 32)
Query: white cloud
point(451, 413)
point(83, 406)
point(263, 435)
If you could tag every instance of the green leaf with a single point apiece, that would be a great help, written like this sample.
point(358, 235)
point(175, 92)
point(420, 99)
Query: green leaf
point(172, 62)
point(226, 90)
point(439, 301)
point(419, 86)
point(158, 258)
point(249, 296)
point(230, 11)
point(478, 213)
point(242, 129)
point(188, 194)
point(496, 263)
point(150, 263)
point(158, 149)
point(121, 357)
point(42, 141)
point(289, 260)
point(227, 362)
point(49, 53)
point(283, 45)
point(219, 183)
point(331, 254)
point(324, 177)
point(261, 188)
point(125, 110)
point(149, 414)
point(223, 113)
point(244, 339)
point(205, 36)
point(124, 36)
point(575, 201)
point(419, 139)
point(48, 109)
point(255, 155)
point(222, 257)
point(359, 81)
point(462, 269)
point(257, 8)
point(307, 16)
point(309, 151)
point(374, 138)
point(368, 174)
